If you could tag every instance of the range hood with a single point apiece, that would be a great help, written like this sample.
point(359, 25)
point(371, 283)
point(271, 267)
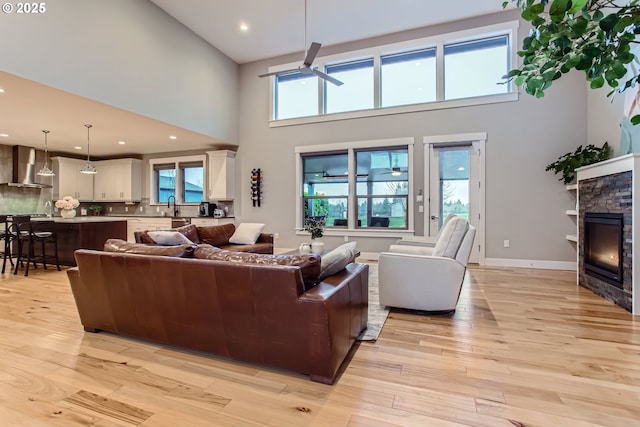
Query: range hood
point(24, 168)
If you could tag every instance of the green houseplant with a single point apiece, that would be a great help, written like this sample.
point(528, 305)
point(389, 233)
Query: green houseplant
point(96, 209)
point(568, 163)
point(594, 36)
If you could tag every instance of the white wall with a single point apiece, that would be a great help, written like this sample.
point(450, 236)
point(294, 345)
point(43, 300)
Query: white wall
point(603, 118)
point(525, 204)
point(129, 54)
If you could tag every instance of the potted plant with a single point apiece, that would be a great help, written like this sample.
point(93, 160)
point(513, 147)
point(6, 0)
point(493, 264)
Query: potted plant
point(568, 163)
point(96, 209)
point(314, 225)
point(594, 36)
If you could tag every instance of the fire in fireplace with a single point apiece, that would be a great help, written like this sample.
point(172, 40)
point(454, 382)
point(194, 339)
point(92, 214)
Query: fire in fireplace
point(603, 246)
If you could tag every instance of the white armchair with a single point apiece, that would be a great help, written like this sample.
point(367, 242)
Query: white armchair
point(427, 278)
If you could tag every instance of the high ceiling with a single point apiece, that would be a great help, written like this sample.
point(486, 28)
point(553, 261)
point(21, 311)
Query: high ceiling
point(275, 27)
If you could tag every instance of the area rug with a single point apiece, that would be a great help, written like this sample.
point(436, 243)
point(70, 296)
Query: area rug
point(377, 313)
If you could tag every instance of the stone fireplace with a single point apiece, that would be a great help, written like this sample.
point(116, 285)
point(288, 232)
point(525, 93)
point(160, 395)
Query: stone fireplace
point(606, 218)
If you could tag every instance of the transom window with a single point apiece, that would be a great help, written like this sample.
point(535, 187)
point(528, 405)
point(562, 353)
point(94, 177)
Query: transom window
point(428, 73)
point(358, 187)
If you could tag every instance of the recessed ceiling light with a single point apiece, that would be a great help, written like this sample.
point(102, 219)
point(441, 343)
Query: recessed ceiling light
point(121, 142)
point(78, 148)
point(4, 135)
point(173, 137)
point(1, 90)
point(461, 168)
point(244, 26)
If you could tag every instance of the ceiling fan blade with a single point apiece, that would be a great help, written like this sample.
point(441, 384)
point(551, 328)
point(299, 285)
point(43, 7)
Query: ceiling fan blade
point(276, 73)
point(312, 52)
point(326, 77)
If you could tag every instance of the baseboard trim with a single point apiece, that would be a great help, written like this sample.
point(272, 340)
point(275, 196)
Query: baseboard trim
point(531, 263)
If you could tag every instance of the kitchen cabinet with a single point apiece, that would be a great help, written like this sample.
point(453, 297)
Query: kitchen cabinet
point(145, 223)
point(118, 180)
point(68, 180)
point(221, 170)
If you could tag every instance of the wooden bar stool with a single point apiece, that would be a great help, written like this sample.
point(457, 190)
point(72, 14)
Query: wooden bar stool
point(35, 235)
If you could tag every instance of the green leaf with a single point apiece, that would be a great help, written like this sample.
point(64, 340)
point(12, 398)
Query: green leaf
point(577, 5)
point(558, 9)
point(635, 119)
point(597, 83)
point(609, 22)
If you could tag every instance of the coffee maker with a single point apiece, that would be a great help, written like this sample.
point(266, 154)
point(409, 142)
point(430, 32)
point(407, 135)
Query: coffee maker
point(207, 209)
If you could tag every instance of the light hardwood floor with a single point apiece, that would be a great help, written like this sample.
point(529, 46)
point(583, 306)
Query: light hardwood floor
point(524, 348)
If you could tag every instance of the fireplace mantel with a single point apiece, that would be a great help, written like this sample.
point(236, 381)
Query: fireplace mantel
point(605, 172)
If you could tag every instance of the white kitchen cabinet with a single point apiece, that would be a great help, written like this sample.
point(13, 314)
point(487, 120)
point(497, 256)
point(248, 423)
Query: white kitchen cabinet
point(118, 180)
point(145, 223)
point(221, 170)
point(68, 180)
point(206, 221)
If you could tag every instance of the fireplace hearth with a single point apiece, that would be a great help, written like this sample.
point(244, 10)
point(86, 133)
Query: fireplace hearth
point(603, 234)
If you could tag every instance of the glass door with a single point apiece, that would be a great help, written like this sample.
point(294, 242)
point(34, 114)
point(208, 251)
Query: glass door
point(454, 186)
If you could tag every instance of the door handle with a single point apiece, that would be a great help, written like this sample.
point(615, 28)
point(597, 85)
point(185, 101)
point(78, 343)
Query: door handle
point(433, 217)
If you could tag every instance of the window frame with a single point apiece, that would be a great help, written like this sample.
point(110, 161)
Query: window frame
point(351, 147)
point(509, 28)
point(177, 162)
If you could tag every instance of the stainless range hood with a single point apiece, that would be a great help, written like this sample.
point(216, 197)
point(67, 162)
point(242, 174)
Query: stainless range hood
point(24, 168)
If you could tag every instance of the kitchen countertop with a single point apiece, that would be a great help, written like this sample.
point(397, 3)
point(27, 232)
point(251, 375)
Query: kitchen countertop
point(80, 219)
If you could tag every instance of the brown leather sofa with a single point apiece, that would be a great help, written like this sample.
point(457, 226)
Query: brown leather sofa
point(216, 235)
point(251, 312)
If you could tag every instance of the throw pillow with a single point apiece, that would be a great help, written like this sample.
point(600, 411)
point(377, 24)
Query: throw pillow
point(190, 231)
point(168, 238)
point(451, 237)
point(337, 259)
point(247, 233)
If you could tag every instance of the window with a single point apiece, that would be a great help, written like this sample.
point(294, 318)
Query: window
point(193, 178)
point(326, 186)
point(357, 91)
point(382, 187)
point(166, 179)
point(296, 96)
point(357, 186)
point(181, 177)
point(489, 60)
point(408, 78)
point(416, 75)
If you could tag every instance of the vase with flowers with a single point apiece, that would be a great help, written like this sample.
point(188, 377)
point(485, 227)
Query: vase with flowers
point(314, 225)
point(67, 206)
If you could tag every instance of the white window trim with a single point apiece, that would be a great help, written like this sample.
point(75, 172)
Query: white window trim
point(509, 28)
point(350, 147)
point(176, 162)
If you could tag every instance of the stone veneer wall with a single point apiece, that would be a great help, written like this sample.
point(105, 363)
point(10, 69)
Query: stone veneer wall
point(607, 194)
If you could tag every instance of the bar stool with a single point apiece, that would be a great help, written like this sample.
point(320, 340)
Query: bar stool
point(33, 233)
point(11, 237)
point(5, 241)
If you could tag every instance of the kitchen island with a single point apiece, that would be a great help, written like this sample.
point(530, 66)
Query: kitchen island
point(82, 233)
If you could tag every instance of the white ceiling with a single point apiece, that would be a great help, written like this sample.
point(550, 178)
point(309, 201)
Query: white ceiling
point(276, 27)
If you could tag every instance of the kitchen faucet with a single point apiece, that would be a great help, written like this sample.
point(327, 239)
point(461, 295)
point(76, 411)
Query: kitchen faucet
point(175, 208)
point(48, 208)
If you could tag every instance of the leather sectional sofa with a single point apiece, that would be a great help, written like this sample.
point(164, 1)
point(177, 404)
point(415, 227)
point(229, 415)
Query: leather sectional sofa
point(264, 309)
point(218, 236)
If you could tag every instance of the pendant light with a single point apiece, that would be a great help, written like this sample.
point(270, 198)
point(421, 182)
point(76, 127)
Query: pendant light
point(88, 168)
point(45, 171)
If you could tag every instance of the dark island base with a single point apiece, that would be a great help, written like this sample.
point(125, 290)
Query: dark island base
point(84, 235)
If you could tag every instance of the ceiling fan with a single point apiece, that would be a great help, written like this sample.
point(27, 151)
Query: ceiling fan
point(307, 66)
